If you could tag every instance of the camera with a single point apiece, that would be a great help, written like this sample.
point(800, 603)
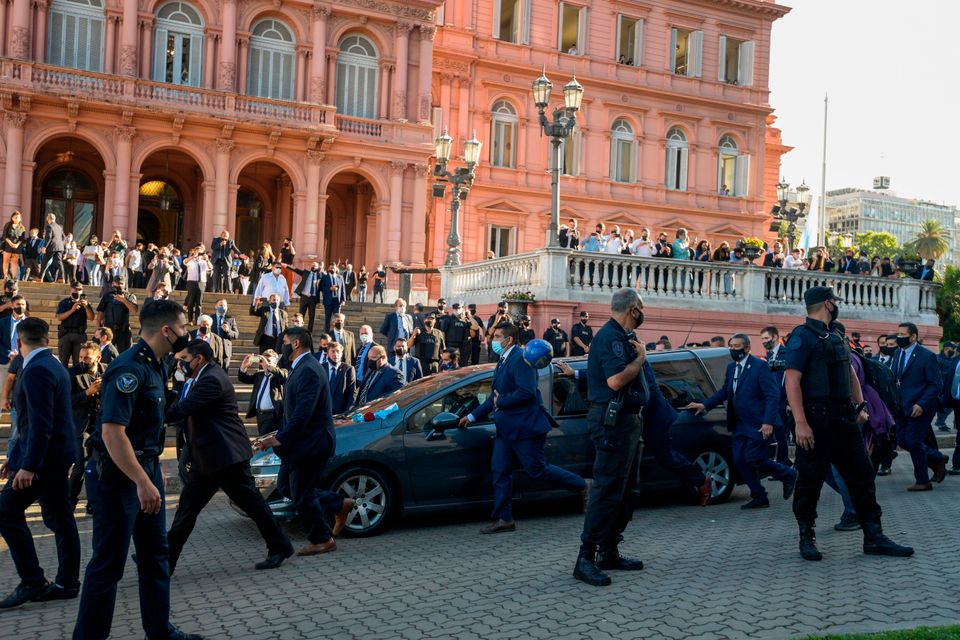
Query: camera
point(777, 365)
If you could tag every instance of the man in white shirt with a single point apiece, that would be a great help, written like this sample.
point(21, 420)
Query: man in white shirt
point(272, 283)
point(197, 266)
point(642, 247)
point(134, 263)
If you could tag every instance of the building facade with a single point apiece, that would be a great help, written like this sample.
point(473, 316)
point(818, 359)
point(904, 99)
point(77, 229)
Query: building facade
point(169, 120)
point(852, 211)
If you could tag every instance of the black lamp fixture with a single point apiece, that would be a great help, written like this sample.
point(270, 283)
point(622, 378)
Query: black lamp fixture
point(781, 213)
point(461, 179)
point(67, 186)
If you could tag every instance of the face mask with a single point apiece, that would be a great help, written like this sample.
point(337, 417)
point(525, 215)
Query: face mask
point(274, 305)
point(365, 338)
point(639, 317)
point(338, 325)
point(399, 352)
point(888, 351)
point(401, 310)
point(737, 354)
point(903, 341)
point(203, 330)
point(556, 327)
point(118, 290)
point(221, 310)
point(185, 367)
point(75, 295)
point(428, 325)
point(87, 367)
point(834, 313)
point(19, 310)
point(584, 320)
point(180, 343)
point(497, 347)
point(768, 345)
point(373, 364)
point(315, 269)
point(287, 350)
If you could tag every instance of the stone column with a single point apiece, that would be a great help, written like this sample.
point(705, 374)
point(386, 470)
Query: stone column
point(314, 222)
point(243, 43)
point(383, 234)
point(209, 197)
point(128, 47)
point(318, 64)
point(109, 47)
point(300, 74)
point(463, 109)
point(210, 45)
point(322, 227)
point(427, 34)
point(20, 30)
point(133, 198)
point(14, 161)
point(232, 190)
point(40, 43)
point(446, 118)
point(123, 136)
point(3, 27)
point(417, 242)
point(227, 72)
point(402, 30)
point(386, 71)
point(284, 214)
point(221, 206)
point(146, 25)
point(331, 73)
point(395, 215)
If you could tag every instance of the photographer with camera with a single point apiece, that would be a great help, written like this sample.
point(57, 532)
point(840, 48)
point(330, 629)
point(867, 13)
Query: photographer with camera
point(73, 313)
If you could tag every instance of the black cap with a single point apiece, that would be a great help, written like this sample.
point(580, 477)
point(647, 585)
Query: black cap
point(815, 295)
point(472, 307)
point(524, 318)
point(456, 305)
point(441, 301)
point(554, 320)
point(502, 304)
point(584, 314)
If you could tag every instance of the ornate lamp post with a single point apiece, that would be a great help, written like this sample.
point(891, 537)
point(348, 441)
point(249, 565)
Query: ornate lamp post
point(791, 216)
point(461, 179)
point(558, 130)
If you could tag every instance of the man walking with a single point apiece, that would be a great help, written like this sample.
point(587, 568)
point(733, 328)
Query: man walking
point(225, 328)
point(197, 266)
point(54, 244)
point(309, 291)
point(333, 294)
point(223, 249)
point(266, 397)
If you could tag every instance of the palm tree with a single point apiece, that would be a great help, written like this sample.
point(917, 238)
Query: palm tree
point(930, 242)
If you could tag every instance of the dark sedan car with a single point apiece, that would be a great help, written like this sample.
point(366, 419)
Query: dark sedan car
point(411, 462)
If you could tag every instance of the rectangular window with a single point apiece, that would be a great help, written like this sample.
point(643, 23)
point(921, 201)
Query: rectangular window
point(687, 48)
point(502, 240)
point(629, 41)
point(736, 62)
point(511, 20)
point(622, 161)
point(502, 152)
point(75, 41)
point(573, 28)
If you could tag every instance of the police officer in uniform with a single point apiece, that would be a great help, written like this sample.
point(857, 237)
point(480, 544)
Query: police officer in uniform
point(114, 313)
point(125, 483)
point(581, 336)
point(617, 391)
point(525, 332)
point(73, 313)
point(476, 333)
point(427, 345)
point(557, 338)
point(827, 404)
point(456, 330)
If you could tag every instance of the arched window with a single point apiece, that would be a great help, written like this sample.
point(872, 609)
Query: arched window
point(358, 75)
point(503, 150)
point(75, 35)
point(622, 151)
point(677, 153)
point(178, 45)
point(733, 169)
point(272, 54)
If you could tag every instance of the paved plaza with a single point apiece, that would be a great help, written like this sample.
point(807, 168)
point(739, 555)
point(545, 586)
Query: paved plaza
point(714, 573)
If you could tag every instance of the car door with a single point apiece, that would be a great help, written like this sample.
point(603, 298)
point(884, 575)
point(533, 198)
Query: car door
point(455, 466)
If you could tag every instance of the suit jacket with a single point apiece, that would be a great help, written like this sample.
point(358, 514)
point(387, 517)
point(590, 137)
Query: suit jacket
point(349, 279)
point(222, 249)
point(330, 297)
point(360, 364)
point(756, 401)
point(390, 327)
point(414, 370)
point(277, 377)
point(851, 267)
point(108, 353)
point(920, 381)
point(304, 276)
point(54, 238)
point(216, 437)
point(946, 396)
point(519, 412)
point(216, 345)
point(228, 335)
point(343, 391)
point(348, 342)
point(84, 407)
point(307, 428)
point(6, 327)
point(923, 272)
point(264, 311)
point(46, 435)
point(382, 382)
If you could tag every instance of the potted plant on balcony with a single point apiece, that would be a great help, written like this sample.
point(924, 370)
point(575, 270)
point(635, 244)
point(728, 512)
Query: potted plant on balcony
point(518, 301)
point(752, 248)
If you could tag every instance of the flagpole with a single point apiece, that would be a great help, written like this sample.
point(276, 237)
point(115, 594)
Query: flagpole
point(821, 236)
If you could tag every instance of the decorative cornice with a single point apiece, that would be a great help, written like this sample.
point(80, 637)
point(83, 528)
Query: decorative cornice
point(397, 166)
point(15, 119)
point(124, 133)
point(224, 145)
point(396, 9)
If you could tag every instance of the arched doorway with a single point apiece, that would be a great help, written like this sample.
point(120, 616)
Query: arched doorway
point(350, 221)
point(249, 223)
point(264, 206)
point(160, 215)
point(171, 199)
point(70, 185)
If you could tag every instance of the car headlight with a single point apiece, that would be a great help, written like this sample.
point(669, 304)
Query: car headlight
point(267, 460)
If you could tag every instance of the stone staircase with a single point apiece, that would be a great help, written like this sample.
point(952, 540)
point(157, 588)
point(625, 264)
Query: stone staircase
point(43, 299)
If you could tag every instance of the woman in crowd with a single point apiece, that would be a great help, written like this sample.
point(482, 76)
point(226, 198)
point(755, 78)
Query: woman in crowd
point(379, 283)
point(71, 260)
point(244, 267)
point(362, 276)
point(14, 233)
point(261, 263)
point(93, 262)
point(118, 244)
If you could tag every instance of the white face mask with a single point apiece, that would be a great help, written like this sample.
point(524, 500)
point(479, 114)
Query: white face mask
point(365, 338)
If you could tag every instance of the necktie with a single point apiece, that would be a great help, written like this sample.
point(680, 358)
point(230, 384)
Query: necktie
point(276, 324)
point(901, 364)
point(366, 387)
point(333, 374)
point(769, 356)
point(401, 329)
point(186, 388)
point(403, 368)
point(218, 326)
point(736, 377)
point(263, 389)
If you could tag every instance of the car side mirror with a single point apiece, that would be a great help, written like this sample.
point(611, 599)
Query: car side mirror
point(440, 423)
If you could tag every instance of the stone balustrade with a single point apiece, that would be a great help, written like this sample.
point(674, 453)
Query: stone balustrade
point(585, 277)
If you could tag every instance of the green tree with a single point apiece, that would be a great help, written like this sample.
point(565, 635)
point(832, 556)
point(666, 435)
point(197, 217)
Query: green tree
point(877, 243)
point(948, 303)
point(930, 242)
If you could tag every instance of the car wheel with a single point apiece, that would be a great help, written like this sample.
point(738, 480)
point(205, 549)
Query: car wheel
point(718, 468)
point(374, 496)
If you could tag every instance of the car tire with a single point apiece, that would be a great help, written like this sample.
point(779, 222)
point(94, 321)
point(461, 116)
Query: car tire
point(375, 497)
point(717, 465)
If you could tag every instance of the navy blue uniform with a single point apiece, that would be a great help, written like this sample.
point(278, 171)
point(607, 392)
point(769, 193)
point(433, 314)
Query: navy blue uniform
point(133, 393)
point(917, 371)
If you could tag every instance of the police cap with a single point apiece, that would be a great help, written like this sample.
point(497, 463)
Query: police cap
point(502, 304)
point(815, 295)
point(441, 301)
point(456, 305)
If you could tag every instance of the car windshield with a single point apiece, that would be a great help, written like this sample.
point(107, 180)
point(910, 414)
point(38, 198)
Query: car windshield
point(418, 389)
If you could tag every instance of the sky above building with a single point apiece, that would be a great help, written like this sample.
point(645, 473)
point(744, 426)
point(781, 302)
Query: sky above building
point(889, 69)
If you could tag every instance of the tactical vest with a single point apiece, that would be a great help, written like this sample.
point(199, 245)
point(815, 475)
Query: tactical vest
point(827, 376)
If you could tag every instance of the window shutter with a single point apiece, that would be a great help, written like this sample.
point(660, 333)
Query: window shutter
point(634, 160)
point(95, 59)
point(525, 20)
point(742, 176)
point(577, 150)
point(253, 73)
point(720, 172)
point(160, 54)
point(497, 8)
point(341, 90)
point(55, 49)
point(560, 29)
point(71, 41)
point(671, 177)
point(371, 110)
point(722, 70)
point(582, 23)
point(684, 157)
point(512, 149)
point(618, 52)
point(672, 57)
point(494, 143)
point(638, 44)
point(437, 122)
point(695, 65)
point(746, 64)
point(287, 76)
point(196, 59)
point(614, 165)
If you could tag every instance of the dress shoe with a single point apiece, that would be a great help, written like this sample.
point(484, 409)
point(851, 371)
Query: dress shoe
point(315, 549)
point(56, 592)
point(586, 570)
point(274, 561)
point(340, 521)
point(883, 471)
point(756, 503)
point(955, 471)
point(940, 470)
point(877, 544)
point(920, 487)
point(588, 485)
point(706, 492)
point(24, 593)
point(611, 560)
point(790, 485)
point(943, 427)
point(500, 526)
point(808, 543)
point(848, 522)
point(176, 634)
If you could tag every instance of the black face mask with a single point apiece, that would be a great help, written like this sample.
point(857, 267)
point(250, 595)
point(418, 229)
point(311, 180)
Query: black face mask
point(75, 295)
point(87, 367)
point(203, 330)
point(737, 354)
point(834, 313)
point(274, 305)
point(373, 365)
point(888, 351)
point(338, 325)
point(903, 341)
point(584, 320)
point(179, 344)
point(428, 325)
point(399, 352)
point(287, 351)
point(638, 317)
point(185, 367)
point(768, 345)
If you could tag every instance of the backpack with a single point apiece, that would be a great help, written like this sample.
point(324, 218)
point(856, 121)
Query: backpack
point(880, 377)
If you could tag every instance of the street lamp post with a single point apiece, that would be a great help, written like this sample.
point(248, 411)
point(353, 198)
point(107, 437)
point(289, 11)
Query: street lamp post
point(461, 179)
point(563, 124)
point(791, 216)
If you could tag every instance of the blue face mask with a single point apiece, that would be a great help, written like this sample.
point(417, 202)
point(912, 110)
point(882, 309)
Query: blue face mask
point(497, 347)
point(221, 310)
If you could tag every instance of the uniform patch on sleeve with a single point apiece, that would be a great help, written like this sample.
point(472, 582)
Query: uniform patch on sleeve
point(127, 383)
point(617, 348)
point(795, 342)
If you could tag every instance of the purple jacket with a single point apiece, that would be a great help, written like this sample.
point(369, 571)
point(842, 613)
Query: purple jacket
point(881, 420)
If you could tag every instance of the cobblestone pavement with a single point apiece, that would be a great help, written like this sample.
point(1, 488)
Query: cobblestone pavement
point(716, 573)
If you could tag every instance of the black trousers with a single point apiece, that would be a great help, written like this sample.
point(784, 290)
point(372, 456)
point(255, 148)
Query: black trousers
point(221, 276)
point(194, 300)
point(122, 338)
point(308, 309)
point(839, 443)
point(300, 481)
point(53, 266)
point(475, 351)
point(237, 482)
point(51, 489)
point(68, 345)
point(328, 311)
point(267, 421)
point(616, 469)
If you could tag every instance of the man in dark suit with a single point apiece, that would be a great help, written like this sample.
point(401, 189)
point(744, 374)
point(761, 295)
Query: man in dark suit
point(273, 322)
point(397, 325)
point(217, 456)
point(349, 281)
point(333, 294)
point(366, 343)
point(225, 327)
point(522, 427)
point(408, 366)
point(848, 264)
point(205, 332)
point(925, 272)
point(776, 357)
point(341, 378)
point(305, 441)
point(8, 331)
point(104, 338)
point(309, 291)
point(753, 410)
point(343, 336)
point(85, 399)
point(36, 471)
point(54, 244)
point(266, 397)
point(380, 378)
point(920, 387)
point(31, 254)
point(950, 398)
point(223, 250)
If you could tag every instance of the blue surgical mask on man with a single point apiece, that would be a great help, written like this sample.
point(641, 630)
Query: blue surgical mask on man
point(497, 346)
point(221, 310)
